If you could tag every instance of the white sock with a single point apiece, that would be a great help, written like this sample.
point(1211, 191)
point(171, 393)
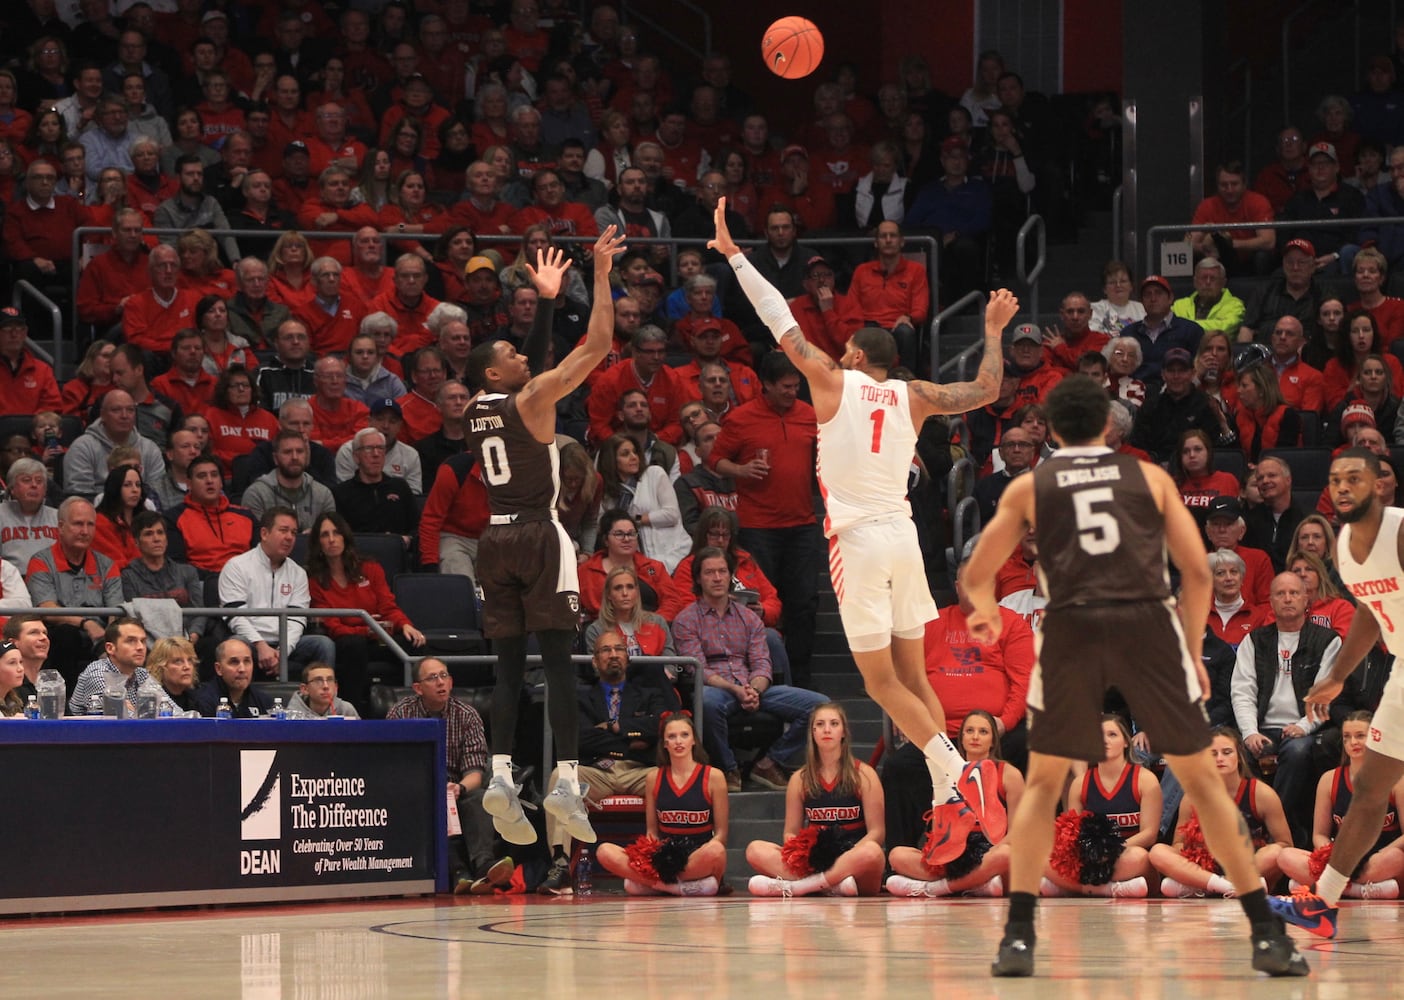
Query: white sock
point(502, 766)
point(1331, 885)
point(938, 887)
point(566, 770)
point(945, 765)
point(810, 884)
point(1219, 884)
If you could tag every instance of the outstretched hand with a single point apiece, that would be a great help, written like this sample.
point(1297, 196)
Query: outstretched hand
point(1003, 306)
point(722, 243)
point(985, 625)
point(607, 247)
point(549, 272)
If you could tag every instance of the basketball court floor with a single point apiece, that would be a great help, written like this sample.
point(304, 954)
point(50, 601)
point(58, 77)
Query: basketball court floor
point(615, 947)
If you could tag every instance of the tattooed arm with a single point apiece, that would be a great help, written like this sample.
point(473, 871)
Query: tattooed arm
point(929, 398)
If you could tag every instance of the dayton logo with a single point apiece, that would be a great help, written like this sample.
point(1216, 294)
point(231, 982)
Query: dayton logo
point(260, 796)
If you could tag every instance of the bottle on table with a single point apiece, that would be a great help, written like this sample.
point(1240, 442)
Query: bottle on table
point(279, 712)
point(224, 711)
point(31, 707)
point(584, 884)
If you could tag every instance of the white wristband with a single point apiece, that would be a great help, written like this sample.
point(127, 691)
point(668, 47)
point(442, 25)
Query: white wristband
point(769, 304)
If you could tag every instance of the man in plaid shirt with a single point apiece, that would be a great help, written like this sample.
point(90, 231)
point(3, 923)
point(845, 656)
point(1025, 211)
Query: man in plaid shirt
point(729, 639)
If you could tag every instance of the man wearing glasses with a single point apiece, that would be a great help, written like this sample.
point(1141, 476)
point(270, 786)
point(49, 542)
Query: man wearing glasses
point(39, 229)
point(1018, 450)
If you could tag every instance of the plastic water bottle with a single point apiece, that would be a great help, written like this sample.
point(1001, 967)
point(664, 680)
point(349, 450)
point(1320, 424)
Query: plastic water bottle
point(52, 694)
point(585, 873)
point(165, 709)
point(95, 705)
point(224, 711)
point(147, 698)
point(31, 707)
point(279, 712)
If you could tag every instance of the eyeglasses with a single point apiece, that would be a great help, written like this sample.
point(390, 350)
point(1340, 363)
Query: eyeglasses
point(611, 649)
point(1016, 444)
point(442, 675)
point(623, 534)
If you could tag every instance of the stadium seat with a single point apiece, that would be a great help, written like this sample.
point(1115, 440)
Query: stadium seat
point(444, 607)
point(1310, 466)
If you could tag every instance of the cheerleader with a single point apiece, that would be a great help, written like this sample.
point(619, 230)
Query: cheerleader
point(684, 851)
point(1188, 867)
point(1377, 877)
point(981, 869)
point(834, 825)
point(1101, 844)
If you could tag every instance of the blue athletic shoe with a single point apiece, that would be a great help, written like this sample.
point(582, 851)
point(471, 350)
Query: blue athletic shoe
point(1305, 909)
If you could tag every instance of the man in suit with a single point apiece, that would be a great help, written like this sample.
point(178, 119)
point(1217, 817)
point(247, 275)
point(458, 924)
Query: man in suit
point(618, 732)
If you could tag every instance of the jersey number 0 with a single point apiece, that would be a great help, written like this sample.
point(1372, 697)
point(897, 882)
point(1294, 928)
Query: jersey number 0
point(1097, 530)
point(495, 464)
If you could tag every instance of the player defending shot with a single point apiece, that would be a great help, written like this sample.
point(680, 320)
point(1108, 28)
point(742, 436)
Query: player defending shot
point(526, 562)
point(1103, 521)
point(868, 427)
point(1370, 559)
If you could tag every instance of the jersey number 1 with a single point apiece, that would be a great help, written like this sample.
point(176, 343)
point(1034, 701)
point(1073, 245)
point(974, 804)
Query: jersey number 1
point(495, 464)
point(1097, 531)
point(877, 417)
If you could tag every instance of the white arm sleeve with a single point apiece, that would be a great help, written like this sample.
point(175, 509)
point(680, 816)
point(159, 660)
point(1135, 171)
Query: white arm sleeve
point(769, 304)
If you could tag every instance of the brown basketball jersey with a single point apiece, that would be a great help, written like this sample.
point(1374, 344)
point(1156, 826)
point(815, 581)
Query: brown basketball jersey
point(1101, 539)
point(521, 473)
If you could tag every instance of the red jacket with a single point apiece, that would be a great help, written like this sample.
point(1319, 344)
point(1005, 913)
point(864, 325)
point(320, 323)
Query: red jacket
point(370, 593)
point(29, 386)
point(190, 398)
point(1257, 578)
point(422, 417)
point(333, 426)
point(829, 331)
point(1065, 355)
point(650, 571)
point(569, 218)
point(967, 674)
point(106, 281)
point(349, 218)
point(734, 345)
point(233, 434)
point(214, 535)
point(115, 541)
point(881, 298)
point(785, 497)
point(363, 288)
point(666, 396)
point(1240, 623)
point(745, 383)
point(1015, 575)
point(331, 334)
point(1302, 386)
point(748, 574)
point(43, 232)
point(497, 222)
point(320, 154)
point(412, 322)
point(151, 326)
point(457, 504)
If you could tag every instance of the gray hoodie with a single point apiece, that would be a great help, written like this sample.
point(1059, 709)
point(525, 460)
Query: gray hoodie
point(309, 500)
point(85, 464)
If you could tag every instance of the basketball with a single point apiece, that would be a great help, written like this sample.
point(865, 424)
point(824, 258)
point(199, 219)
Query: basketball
point(792, 47)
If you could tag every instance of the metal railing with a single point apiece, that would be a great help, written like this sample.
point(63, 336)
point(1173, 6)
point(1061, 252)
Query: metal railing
point(24, 290)
point(1116, 224)
point(1156, 233)
point(958, 362)
point(1029, 278)
point(634, 14)
point(967, 510)
point(958, 481)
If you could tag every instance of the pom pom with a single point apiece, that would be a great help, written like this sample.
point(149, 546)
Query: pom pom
point(640, 854)
point(829, 846)
point(1195, 850)
point(1065, 860)
point(795, 852)
point(1319, 859)
point(671, 857)
point(1098, 846)
point(976, 847)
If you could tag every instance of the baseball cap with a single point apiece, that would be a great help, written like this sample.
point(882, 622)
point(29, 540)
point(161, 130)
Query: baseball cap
point(380, 406)
point(1026, 331)
point(1224, 506)
point(707, 326)
point(1357, 413)
point(816, 261)
point(1323, 149)
point(478, 263)
point(1176, 356)
point(792, 149)
point(1155, 279)
point(214, 15)
point(10, 316)
point(296, 146)
point(954, 142)
point(1300, 244)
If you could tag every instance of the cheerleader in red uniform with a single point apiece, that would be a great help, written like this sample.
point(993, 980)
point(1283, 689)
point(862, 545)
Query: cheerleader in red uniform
point(1113, 818)
point(1188, 867)
point(834, 825)
point(684, 851)
point(980, 871)
point(1378, 875)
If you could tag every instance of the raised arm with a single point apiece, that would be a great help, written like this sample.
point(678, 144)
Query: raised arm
point(545, 390)
point(774, 311)
point(548, 276)
point(930, 399)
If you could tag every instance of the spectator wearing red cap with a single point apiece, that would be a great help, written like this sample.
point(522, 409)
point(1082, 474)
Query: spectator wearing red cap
point(1295, 292)
point(27, 385)
point(828, 318)
point(1326, 199)
point(645, 370)
point(706, 345)
point(1161, 329)
point(700, 294)
point(1243, 251)
point(1212, 305)
point(960, 208)
point(892, 291)
point(1280, 180)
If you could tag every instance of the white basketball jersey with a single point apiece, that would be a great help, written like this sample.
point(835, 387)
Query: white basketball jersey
point(865, 452)
point(1378, 582)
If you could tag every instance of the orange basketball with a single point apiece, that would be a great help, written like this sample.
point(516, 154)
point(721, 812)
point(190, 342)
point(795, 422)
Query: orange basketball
point(792, 47)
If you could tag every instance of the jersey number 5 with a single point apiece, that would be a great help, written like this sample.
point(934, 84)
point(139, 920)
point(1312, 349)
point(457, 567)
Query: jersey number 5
point(495, 465)
point(1097, 531)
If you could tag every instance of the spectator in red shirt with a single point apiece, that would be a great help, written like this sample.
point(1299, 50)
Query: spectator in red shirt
point(1073, 337)
point(1036, 377)
point(455, 514)
point(152, 318)
point(39, 229)
point(482, 209)
point(186, 383)
point(1242, 251)
point(644, 370)
point(336, 416)
point(408, 305)
point(892, 292)
point(332, 209)
point(110, 279)
point(1224, 527)
point(827, 318)
point(422, 416)
point(237, 422)
point(331, 146)
point(333, 316)
point(1279, 181)
point(1303, 388)
point(560, 217)
point(768, 446)
point(683, 159)
point(706, 344)
point(1232, 617)
point(27, 385)
point(837, 162)
point(213, 530)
